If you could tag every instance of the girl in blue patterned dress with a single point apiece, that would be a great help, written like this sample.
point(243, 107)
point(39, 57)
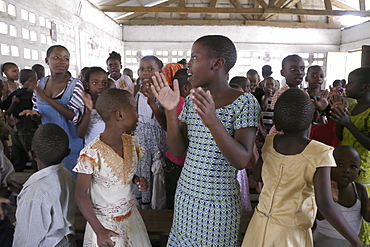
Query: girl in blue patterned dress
point(217, 131)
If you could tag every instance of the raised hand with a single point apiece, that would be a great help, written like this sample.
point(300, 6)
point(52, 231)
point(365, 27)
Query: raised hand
point(104, 237)
point(323, 101)
point(141, 183)
point(167, 97)
point(88, 101)
point(337, 101)
point(204, 105)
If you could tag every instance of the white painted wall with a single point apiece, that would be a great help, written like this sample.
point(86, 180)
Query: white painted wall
point(87, 32)
point(355, 37)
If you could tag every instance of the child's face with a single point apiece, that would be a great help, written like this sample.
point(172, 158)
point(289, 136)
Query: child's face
point(12, 72)
point(253, 79)
point(147, 69)
point(30, 84)
point(131, 116)
point(114, 68)
point(269, 84)
point(353, 87)
point(348, 167)
point(293, 72)
point(315, 77)
point(200, 64)
point(98, 82)
point(58, 60)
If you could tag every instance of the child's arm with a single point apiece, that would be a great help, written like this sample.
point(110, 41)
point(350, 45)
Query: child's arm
point(365, 202)
point(15, 102)
point(169, 99)
point(158, 113)
point(63, 110)
point(257, 170)
point(84, 123)
point(84, 204)
point(343, 117)
point(3, 200)
point(265, 99)
point(327, 207)
point(238, 150)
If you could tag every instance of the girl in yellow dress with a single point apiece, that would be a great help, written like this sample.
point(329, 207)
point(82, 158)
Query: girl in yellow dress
point(353, 128)
point(294, 170)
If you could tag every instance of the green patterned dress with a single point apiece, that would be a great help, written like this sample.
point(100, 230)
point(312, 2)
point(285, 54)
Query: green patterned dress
point(207, 201)
point(362, 122)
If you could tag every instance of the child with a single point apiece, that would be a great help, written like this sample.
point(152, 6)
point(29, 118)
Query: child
point(217, 132)
point(58, 99)
point(293, 72)
point(40, 70)
point(174, 165)
point(92, 124)
point(129, 73)
point(240, 83)
point(45, 212)
point(352, 198)
point(269, 87)
point(11, 72)
point(122, 81)
point(106, 172)
point(254, 80)
point(152, 136)
point(18, 101)
point(295, 171)
point(353, 127)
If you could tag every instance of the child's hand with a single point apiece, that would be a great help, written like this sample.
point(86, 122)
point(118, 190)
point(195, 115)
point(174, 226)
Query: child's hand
point(34, 115)
point(13, 186)
point(15, 100)
point(205, 106)
point(335, 191)
point(341, 116)
point(150, 95)
point(167, 97)
point(2, 213)
point(322, 102)
point(88, 101)
point(141, 183)
point(338, 101)
point(268, 92)
point(104, 237)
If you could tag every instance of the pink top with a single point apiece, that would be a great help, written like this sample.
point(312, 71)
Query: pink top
point(180, 160)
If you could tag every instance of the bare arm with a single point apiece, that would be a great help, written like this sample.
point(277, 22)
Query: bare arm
point(365, 203)
point(84, 123)
point(84, 204)
point(342, 117)
point(327, 207)
point(257, 170)
point(169, 99)
point(62, 109)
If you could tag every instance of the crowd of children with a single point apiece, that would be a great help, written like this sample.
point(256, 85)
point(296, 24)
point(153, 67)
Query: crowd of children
point(183, 137)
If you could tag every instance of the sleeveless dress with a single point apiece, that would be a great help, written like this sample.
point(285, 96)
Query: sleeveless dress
point(207, 201)
point(72, 100)
point(111, 191)
point(327, 236)
point(287, 209)
point(362, 122)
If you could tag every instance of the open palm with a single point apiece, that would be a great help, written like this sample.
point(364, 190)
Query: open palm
point(167, 97)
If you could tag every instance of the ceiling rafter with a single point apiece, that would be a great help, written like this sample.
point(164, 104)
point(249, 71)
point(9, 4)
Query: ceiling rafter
point(211, 4)
point(302, 18)
point(341, 5)
point(216, 10)
point(138, 14)
point(328, 6)
point(256, 5)
point(229, 22)
point(238, 5)
point(288, 4)
point(182, 4)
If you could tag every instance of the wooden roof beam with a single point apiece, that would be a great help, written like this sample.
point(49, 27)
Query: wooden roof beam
point(182, 4)
point(302, 18)
point(238, 5)
point(211, 4)
point(341, 5)
point(328, 6)
point(256, 5)
point(362, 5)
point(215, 10)
point(135, 15)
point(277, 4)
point(229, 22)
point(262, 3)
